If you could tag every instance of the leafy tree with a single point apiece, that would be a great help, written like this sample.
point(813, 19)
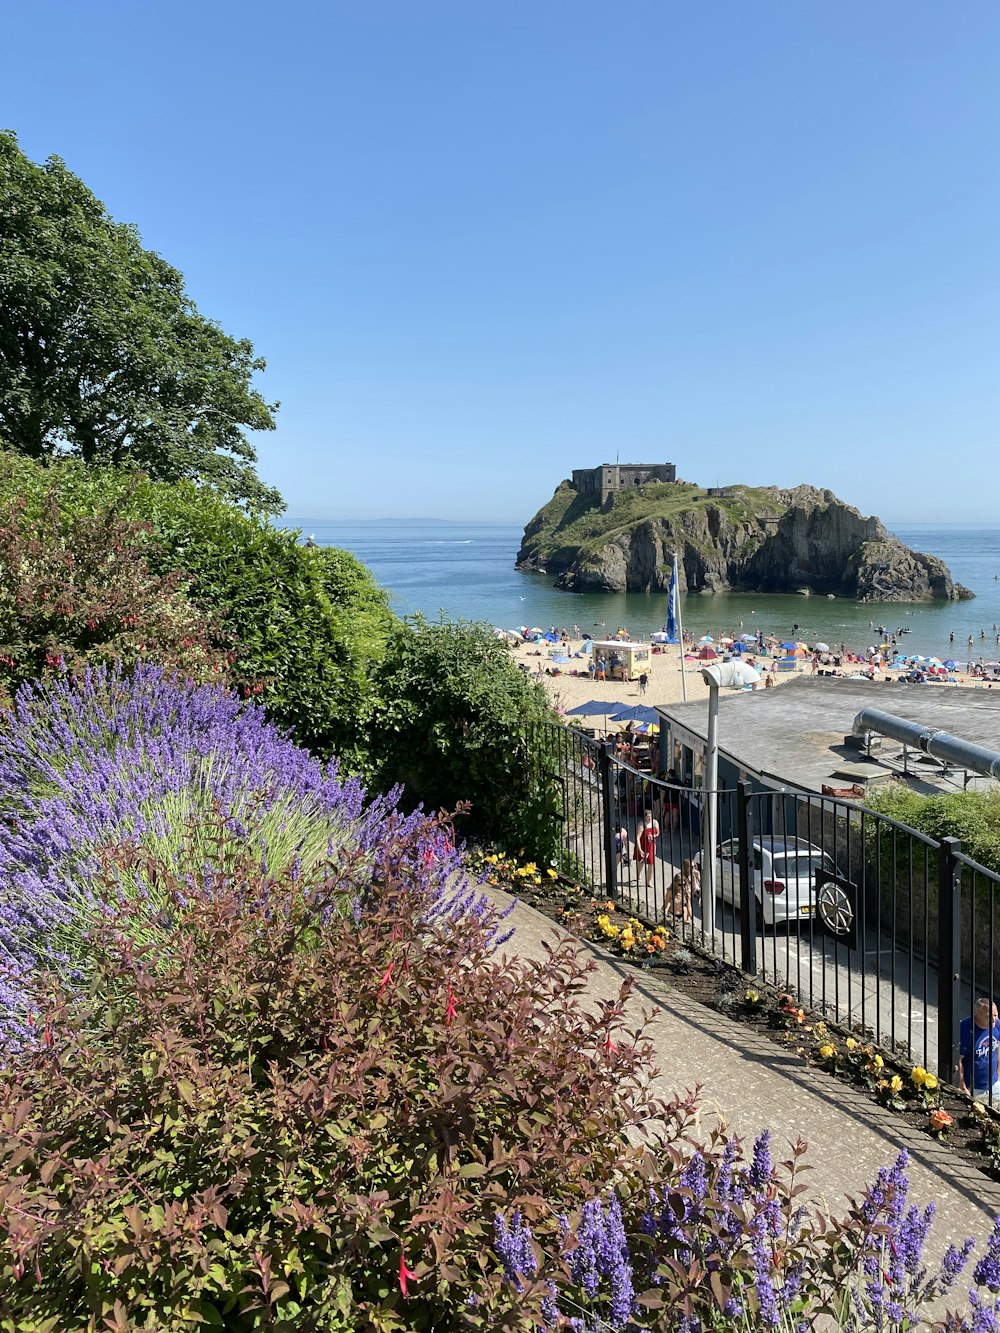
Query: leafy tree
point(102, 352)
point(452, 725)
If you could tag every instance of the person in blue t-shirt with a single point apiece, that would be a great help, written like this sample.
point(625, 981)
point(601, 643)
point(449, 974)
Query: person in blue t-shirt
point(979, 1043)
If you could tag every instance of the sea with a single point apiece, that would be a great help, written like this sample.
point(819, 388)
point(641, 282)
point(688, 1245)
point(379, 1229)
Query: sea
point(465, 571)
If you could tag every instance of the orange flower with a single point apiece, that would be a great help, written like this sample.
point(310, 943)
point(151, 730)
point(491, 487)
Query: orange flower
point(941, 1120)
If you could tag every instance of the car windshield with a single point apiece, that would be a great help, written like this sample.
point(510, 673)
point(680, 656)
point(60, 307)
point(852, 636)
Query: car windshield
point(800, 867)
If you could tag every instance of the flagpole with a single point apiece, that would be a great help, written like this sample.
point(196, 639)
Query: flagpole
point(680, 630)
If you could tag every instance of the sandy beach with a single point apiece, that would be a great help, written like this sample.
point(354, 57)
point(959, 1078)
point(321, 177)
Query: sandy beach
point(665, 684)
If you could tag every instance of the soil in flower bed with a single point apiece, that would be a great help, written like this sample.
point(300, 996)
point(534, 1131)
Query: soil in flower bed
point(679, 961)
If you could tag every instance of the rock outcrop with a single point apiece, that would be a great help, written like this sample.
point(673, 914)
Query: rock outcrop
point(762, 540)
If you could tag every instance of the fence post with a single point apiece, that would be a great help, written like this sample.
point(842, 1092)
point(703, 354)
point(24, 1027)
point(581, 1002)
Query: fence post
point(748, 899)
point(949, 955)
point(607, 816)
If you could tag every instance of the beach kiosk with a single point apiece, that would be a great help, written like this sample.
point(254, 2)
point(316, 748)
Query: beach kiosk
point(622, 655)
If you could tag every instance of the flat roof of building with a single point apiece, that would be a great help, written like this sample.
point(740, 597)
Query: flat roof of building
point(794, 734)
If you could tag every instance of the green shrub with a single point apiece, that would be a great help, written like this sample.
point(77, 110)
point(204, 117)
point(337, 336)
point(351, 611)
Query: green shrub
point(452, 724)
point(76, 590)
point(305, 628)
point(971, 816)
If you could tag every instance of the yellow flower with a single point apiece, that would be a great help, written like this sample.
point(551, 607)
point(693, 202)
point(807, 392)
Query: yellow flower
point(552, 874)
point(530, 869)
point(930, 1082)
point(851, 1044)
point(919, 1075)
point(878, 1062)
point(827, 1052)
point(895, 1084)
point(753, 997)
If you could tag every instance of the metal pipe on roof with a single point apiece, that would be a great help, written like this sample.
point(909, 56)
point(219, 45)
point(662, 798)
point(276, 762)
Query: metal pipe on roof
point(938, 744)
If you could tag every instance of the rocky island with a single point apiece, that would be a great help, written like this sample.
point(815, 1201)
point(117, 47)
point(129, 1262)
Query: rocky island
point(615, 529)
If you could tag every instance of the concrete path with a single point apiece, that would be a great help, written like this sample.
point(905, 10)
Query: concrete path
point(749, 1082)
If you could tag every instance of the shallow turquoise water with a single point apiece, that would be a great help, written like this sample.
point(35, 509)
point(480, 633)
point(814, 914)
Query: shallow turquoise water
point(467, 571)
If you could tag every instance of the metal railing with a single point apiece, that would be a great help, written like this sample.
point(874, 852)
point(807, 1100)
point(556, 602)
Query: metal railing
point(863, 919)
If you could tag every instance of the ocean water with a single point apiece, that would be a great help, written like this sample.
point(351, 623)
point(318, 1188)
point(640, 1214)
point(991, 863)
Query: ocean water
point(466, 571)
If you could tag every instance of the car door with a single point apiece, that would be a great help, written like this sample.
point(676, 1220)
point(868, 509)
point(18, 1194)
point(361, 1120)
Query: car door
point(729, 871)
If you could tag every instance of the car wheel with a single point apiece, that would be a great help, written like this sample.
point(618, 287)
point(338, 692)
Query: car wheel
point(834, 908)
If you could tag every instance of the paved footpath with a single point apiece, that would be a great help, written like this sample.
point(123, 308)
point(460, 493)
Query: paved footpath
point(749, 1082)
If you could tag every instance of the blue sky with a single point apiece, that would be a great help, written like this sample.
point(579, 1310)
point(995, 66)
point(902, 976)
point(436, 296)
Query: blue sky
point(481, 243)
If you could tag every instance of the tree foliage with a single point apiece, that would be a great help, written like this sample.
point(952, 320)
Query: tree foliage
point(451, 724)
point(102, 352)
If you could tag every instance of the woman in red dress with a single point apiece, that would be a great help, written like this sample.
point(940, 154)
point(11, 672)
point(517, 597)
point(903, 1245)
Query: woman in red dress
point(645, 843)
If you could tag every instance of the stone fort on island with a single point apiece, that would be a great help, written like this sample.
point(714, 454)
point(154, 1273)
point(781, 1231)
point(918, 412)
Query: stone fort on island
point(609, 478)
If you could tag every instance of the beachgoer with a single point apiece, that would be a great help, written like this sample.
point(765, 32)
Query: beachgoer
point(643, 682)
point(691, 885)
point(769, 681)
point(645, 843)
point(602, 669)
point(677, 904)
point(591, 668)
point(980, 1050)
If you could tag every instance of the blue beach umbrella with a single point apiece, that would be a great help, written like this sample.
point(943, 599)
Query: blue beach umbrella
point(789, 647)
point(636, 713)
point(951, 664)
point(591, 708)
point(558, 657)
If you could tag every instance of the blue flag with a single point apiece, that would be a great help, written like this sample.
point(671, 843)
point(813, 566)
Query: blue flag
point(671, 630)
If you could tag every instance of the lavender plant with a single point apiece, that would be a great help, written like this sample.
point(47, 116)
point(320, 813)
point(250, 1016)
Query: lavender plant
point(721, 1242)
point(146, 759)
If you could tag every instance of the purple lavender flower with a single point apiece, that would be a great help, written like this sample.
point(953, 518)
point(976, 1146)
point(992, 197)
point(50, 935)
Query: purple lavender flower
point(987, 1271)
point(512, 1242)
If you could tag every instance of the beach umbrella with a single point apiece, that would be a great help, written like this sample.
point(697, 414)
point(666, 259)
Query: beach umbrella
point(951, 664)
point(592, 708)
point(726, 640)
point(788, 647)
point(707, 639)
point(822, 647)
point(635, 713)
point(646, 729)
point(558, 657)
point(748, 638)
point(661, 637)
point(535, 630)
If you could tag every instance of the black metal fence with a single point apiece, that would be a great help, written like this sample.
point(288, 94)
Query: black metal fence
point(868, 921)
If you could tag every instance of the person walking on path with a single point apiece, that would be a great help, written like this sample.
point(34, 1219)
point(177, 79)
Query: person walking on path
point(643, 682)
point(645, 843)
point(979, 1043)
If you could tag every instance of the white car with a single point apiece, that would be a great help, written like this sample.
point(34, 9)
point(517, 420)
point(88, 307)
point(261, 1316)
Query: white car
point(786, 885)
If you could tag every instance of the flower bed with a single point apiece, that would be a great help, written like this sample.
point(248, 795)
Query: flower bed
point(972, 1130)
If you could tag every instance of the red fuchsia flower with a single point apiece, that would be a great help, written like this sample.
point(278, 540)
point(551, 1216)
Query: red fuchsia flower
point(405, 1274)
point(47, 1035)
point(452, 1008)
point(609, 1046)
point(386, 978)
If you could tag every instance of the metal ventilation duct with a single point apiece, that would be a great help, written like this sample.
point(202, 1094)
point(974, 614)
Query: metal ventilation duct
point(938, 744)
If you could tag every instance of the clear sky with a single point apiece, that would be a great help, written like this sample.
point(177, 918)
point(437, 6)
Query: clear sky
point(482, 242)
